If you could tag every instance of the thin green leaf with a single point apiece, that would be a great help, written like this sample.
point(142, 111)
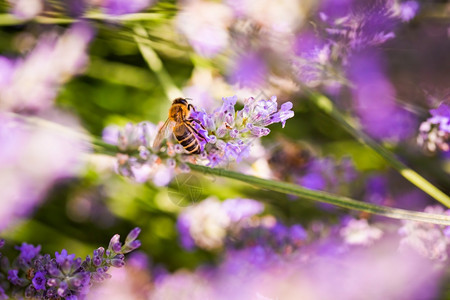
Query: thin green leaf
point(155, 63)
point(412, 176)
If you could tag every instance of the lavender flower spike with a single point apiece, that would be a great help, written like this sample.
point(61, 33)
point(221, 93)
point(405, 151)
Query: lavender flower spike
point(39, 276)
point(50, 64)
point(224, 136)
point(120, 7)
point(434, 133)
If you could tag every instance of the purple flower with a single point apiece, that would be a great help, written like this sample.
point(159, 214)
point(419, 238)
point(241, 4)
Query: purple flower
point(255, 272)
point(249, 70)
point(342, 28)
point(326, 174)
point(235, 130)
point(239, 209)
point(3, 296)
point(132, 235)
point(297, 233)
point(443, 111)
point(428, 240)
point(374, 97)
point(376, 190)
point(13, 277)
point(62, 276)
point(282, 115)
point(314, 181)
point(120, 7)
point(63, 257)
point(7, 67)
point(63, 289)
point(114, 244)
point(28, 251)
point(312, 61)
point(434, 133)
point(408, 10)
point(30, 166)
point(146, 165)
point(111, 134)
point(205, 26)
point(51, 63)
point(335, 9)
point(227, 136)
point(39, 281)
point(118, 261)
point(183, 226)
point(359, 25)
point(412, 199)
point(131, 243)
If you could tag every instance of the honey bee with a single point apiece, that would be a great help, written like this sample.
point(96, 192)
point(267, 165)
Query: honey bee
point(179, 123)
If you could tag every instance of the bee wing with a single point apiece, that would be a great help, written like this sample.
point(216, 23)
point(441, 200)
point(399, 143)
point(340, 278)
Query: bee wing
point(163, 133)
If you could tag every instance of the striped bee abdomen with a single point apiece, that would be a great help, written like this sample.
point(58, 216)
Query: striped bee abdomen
point(188, 140)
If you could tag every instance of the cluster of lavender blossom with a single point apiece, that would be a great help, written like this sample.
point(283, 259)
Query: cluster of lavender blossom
point(40, 276)
point(316, 272)
point(29, 9)
point(344, 53)
point(37, 150)
point(238, 224)
point(229, 135)
point(339, 29)
point(221, 219)
point(264, 259)
point(28, 87)
point(317, 173)
point(333, 46)
point(30, 84)
point(434, 133)
point(30, 167)
point(344, 28)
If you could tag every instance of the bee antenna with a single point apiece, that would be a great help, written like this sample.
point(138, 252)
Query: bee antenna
point(190, 99)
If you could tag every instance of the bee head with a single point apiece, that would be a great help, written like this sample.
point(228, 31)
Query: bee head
point(180, 101)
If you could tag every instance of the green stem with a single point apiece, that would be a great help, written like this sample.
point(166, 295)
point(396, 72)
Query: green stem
point(346, 202)
point(326, 105)
point(11, 20)
point(155, 63)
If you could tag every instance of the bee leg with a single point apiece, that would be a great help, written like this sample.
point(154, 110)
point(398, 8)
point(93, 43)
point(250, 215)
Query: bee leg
point(191, 106)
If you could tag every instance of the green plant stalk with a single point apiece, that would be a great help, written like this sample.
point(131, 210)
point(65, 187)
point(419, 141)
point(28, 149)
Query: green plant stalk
point(102, 147)
point(155, 64)
point(341, 201)
point(319, 196)
point(325, 104)
point(11, 20)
